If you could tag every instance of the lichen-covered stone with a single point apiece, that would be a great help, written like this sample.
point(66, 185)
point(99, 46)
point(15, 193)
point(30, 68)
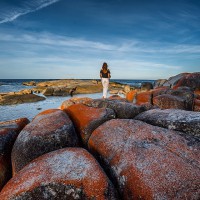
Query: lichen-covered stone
point(147, 162)
point(50, 130)
point(69, 173)
point(9, 131)
point(184, 93)
point(159, 91)
point(144, 97)
point(190, 80)
point(167, 101)
point(122, 108)
point(130, 96)
point(180, 120)
point(87, 119)
point(171, 82)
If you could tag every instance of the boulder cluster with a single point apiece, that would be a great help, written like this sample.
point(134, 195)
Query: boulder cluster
point(104, 149)
point(178, 92)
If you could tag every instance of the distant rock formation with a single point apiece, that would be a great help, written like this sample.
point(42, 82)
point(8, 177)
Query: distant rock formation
point(18, 97)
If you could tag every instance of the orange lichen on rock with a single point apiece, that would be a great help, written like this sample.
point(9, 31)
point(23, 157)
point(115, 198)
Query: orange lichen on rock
point(46, 112)
point(144, 97)
point(87, 119)
point(16, 125)
point(189, 80)
point(131, 95)
point(69, 173)
point(49, 130)
point(147, 162)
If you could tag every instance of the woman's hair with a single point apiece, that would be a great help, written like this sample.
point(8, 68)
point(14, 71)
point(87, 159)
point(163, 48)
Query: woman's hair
point(105, 66)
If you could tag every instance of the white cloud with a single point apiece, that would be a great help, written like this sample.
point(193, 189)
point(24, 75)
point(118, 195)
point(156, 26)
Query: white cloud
point(126, 46)
point(28, 7)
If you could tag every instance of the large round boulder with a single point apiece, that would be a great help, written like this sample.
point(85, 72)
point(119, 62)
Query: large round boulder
point(69, 173)
point(9, 131)
point(50, 130)
point(147, 162)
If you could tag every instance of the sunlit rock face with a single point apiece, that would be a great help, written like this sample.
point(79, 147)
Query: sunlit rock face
point(69, 173)
point(50, 130)
point(147, 162)
point(9, 131)
point(74, 100)
point(87, 119)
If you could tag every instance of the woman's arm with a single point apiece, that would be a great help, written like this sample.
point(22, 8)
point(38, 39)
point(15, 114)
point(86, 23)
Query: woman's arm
point(101, 74)
point(109, 76)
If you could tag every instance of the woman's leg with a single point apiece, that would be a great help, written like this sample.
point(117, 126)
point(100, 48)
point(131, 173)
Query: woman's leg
point(105, 83)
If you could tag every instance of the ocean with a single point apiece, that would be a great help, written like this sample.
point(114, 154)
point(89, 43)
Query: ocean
point(29, 110)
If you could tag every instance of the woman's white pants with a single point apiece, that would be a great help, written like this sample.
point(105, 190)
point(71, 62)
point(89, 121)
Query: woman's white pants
point(105, 83)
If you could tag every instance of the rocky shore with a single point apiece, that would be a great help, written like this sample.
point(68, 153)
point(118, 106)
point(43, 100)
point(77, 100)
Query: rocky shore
point(70, 87)
point(143, 146)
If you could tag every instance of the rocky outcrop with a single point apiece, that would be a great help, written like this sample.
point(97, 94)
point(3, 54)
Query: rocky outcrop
point(31, 83)
point(147, 162)
point(171, 82)
point(159, 82)
point(69, 173)
point(9, 131)
point(87, 119)
point(73, 87)
point(180, 120)
point(50, 130)
point(17, 98)
point(166, 98)
point(190, 80)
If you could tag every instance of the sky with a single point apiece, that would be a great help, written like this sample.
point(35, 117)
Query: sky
point(61, 39)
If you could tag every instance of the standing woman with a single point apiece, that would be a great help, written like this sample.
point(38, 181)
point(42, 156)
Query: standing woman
point(105, 76)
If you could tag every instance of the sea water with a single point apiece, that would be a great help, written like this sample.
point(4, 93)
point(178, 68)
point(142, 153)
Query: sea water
point(29, 110)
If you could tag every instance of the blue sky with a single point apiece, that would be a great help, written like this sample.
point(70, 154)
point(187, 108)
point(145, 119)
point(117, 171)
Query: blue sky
point(139, 39)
